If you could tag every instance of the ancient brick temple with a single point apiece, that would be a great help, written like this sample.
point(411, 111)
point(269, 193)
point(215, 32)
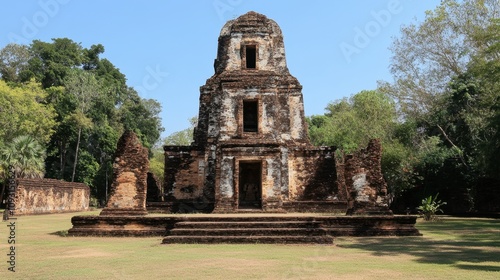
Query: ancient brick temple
point(251, 149)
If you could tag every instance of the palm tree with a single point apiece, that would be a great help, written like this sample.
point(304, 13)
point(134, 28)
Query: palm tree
point(25, 155)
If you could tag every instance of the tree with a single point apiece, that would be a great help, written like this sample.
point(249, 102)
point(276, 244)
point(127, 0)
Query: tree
point(183, 137)
point(485, 69)
point(25, 155)
point(24, 111)
point(141, 116)
point(428, 55)
point(88, 102)
point(85, 88)
point(52, 62)
point(13, 62)
point(446, 77)
point(350, 123)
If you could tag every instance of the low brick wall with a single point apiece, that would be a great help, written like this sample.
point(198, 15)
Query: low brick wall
point(44, 196)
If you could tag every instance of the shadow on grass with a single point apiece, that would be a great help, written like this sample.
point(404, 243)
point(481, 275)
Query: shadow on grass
point(451, 242)
point(62, 233)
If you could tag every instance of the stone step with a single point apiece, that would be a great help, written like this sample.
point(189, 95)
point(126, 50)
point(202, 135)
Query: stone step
point(248, 224)
point(283, 218)
point(247, 232)
point(249, 239)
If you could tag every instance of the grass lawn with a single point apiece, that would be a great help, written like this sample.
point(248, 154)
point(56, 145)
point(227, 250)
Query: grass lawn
point(454, 248)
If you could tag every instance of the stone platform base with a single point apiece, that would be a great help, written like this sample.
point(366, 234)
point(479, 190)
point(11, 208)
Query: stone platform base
point(245, 228)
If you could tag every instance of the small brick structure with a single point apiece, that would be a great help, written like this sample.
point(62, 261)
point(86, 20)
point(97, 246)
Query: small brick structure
point(365, 182)
point(128, 190)
point(46, 196)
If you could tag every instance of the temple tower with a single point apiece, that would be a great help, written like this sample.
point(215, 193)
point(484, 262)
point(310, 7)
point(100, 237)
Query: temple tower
point(251, 149)
point(252, 97)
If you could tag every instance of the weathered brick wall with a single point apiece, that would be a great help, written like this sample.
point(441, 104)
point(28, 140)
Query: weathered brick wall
point(313, 175)
point(365, 182)
point(185, 169)
point(44, 196)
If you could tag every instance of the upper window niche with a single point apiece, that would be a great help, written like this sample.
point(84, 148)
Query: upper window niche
point(250, 116)
point(251, 56)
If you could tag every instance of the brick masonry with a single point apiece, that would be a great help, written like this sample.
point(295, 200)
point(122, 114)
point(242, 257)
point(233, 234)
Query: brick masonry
point(129, 187)
point(251, 148)
point(45, 196)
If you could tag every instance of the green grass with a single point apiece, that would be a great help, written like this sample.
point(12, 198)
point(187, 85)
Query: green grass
point(450, 249)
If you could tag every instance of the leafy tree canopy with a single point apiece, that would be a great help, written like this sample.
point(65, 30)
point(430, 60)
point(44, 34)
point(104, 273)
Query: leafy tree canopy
point(24, 111)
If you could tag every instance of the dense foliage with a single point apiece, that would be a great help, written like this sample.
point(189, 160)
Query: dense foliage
point(75, 105)
point(439, 119)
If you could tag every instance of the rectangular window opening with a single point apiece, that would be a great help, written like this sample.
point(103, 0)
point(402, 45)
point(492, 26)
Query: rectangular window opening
point(250, 116)
point(251, 56)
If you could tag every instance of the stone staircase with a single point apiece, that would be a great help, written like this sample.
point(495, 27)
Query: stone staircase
point(269, 230)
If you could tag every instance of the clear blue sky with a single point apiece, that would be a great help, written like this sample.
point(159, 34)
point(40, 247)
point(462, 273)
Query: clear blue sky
point(166, 49)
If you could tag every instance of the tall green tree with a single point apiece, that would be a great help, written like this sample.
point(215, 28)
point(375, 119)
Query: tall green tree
point(446, 84)
point(52, 62)
point(14, 60)
point(351, 123)
point(428, 55)
point(24, 111)
point(84, 87)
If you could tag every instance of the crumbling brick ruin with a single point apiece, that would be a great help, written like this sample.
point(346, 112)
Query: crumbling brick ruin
point(251, 149)
point(363, 175)
point(128, 190)
point(45, 196)
point(251, 152)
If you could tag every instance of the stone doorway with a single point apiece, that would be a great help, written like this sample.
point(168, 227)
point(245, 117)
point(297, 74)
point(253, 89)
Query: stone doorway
point(250, 185)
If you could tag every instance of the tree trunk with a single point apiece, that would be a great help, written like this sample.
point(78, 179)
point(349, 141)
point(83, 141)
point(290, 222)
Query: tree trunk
point(5, 183)
point(62, 158)
point(1, 194)
point(453, 145)
point(76, 154)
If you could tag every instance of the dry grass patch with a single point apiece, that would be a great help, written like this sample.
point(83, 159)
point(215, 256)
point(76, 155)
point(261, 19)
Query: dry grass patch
point(450, 249)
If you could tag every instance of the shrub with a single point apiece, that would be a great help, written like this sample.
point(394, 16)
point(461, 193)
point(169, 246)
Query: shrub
point(430, 206)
